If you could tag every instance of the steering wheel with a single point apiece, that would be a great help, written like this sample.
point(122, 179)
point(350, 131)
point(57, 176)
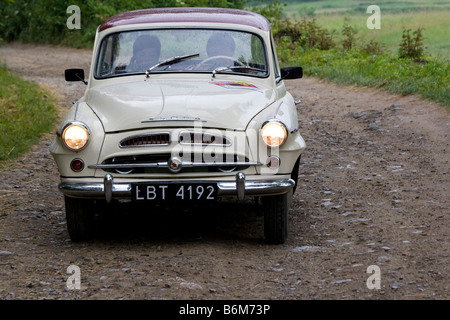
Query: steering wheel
point(208, 60)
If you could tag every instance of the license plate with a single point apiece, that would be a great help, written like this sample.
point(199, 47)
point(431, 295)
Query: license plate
point(174, 192)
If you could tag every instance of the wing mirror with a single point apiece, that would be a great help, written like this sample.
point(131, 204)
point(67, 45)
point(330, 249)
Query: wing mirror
point(75, 75)
point(291, 73)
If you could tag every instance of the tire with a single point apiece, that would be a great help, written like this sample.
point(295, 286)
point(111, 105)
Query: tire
point(276, 210)
point(295, 172)
point(80, 218)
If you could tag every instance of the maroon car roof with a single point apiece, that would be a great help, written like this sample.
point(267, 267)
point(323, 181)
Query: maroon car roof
point(220, 15)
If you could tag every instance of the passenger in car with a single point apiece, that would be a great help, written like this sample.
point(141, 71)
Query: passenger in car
point(146, 52)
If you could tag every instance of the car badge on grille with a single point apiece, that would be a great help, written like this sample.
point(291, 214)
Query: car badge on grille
point(174, 165)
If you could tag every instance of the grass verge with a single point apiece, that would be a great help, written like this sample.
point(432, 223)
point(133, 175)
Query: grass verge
point(27, 113)
point(431, 80)
point(351, 62)
point(333, 42)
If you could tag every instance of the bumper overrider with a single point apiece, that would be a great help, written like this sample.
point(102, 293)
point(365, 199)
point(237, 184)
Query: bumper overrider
point(240, 188)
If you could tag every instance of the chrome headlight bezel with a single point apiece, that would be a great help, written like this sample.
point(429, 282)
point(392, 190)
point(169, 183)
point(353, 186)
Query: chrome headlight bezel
point(276, 125)
point(85, 131)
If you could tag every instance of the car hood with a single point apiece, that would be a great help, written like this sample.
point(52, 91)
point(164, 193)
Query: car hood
point(169, 103)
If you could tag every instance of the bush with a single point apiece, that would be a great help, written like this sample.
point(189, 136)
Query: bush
point(306, 33)
point(349, 32)
point(412, 46)
point(273, 11)
point(373, 48)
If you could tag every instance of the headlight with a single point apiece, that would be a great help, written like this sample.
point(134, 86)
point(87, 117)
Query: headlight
point(274, 133)
point(75, 135)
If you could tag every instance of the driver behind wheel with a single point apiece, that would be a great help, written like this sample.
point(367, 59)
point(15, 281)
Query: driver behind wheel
point(220, 45)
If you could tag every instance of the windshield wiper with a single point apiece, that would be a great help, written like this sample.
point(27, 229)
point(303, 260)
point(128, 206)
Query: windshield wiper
point(171, 61)
point(244, 67)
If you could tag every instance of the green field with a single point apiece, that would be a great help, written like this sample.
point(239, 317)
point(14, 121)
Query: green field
point(319, 7)
point(433, 16)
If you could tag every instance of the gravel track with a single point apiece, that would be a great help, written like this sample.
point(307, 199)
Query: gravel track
point(373, 191)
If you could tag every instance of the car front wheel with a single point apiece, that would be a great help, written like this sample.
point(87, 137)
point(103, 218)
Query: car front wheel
point(276, 210)
point(80, 218)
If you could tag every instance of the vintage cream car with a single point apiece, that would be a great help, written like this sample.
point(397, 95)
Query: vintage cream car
point(181, 105)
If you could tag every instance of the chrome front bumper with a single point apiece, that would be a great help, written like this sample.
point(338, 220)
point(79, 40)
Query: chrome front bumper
point(240, 188)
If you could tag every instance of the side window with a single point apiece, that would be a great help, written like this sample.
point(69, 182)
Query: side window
point(277, 69)
point(106, 57)
point(258, 56)
point(275, 61)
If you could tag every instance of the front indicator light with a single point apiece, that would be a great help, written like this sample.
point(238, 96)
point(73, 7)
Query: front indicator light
point(75, 136)
point(273, 162)
point(77, 165)
point(274, 133)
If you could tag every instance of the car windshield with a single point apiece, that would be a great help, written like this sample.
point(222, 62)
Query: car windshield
point(208, 50)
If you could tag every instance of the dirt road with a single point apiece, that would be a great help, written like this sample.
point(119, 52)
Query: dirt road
point(373, 191)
